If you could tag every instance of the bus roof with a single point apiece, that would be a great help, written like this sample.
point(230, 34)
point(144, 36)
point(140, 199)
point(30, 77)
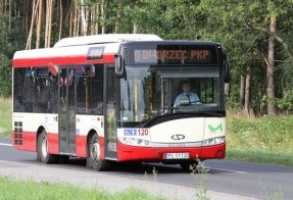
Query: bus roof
point(77, 50)
point(105, 38)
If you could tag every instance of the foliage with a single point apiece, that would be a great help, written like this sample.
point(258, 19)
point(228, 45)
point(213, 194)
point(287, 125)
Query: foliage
point(10, 41)
point(286, 103)
point(241, 27)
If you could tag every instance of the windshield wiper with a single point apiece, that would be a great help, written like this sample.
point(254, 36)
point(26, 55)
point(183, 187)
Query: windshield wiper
point(212, 113)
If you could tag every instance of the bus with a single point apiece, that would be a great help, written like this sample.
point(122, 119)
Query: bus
point(110, 98)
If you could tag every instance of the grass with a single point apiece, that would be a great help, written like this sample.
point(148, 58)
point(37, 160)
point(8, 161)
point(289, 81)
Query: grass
point(268, 139)
point(22, 190)
point(5, 117)
point(260, 157)
point(263, 139)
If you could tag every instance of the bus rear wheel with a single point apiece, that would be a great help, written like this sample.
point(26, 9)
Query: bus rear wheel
point(42, 150)
point(94, 155)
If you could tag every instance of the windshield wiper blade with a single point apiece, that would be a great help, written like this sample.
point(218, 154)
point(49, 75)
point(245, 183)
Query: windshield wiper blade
point(213, 114)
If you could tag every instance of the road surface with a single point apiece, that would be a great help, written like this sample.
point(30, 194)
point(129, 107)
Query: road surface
point(224, 180)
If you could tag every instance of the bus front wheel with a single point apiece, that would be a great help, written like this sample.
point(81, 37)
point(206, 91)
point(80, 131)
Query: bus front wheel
point(94, 155)
point(42, 150)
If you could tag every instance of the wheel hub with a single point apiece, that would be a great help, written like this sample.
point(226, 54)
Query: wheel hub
point(95, 151)
point(44, 147)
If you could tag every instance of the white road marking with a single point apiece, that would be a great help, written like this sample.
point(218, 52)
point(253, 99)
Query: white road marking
point(229, 170)
point(3, 144)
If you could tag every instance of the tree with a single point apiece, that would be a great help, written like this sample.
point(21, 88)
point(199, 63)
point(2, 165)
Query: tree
point(248, 37)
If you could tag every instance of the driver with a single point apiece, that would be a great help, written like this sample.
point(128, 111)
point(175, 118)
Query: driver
point(192, 97)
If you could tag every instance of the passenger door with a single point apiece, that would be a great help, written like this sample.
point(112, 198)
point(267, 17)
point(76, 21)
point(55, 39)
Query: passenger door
point(110, 110)
point(66, 110)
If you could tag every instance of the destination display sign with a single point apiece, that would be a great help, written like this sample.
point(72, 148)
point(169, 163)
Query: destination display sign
point(95, 53)
point(169, 56)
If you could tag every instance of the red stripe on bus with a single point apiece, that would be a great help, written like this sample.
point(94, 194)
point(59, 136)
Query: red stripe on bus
point(25, 141)
point(81, 146)
point(53, 143)
point(68, 60)
point(210, 152)
point(102, 145)
point(131, 153)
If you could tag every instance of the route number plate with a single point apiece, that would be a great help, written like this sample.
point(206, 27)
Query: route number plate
point(177, 155)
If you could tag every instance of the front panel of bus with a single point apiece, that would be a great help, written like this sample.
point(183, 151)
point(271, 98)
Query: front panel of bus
point(156, 121)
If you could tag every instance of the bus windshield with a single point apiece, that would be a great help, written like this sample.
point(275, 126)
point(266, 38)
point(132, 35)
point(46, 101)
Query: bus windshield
point(149, 91)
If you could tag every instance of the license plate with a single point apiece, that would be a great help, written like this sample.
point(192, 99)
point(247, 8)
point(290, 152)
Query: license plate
point(177, 155)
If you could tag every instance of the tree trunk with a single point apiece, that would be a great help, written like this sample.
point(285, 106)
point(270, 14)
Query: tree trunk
point(103, 17)
point(70, 20)
point(74, 20)
point(87, 14)
point(60, 20)
point(242, 91)
point(50, 24)
point(34, 12)
point(26, 12)
point(77, 21)
point(247, 90)
point(227, 89)
point(271, 109)
point(48, 29)
point(47, 22)
point(83, 18)
point(39, 24)
point(96, 28)
point(118, 16)
point(10, 15)
point(134, 28)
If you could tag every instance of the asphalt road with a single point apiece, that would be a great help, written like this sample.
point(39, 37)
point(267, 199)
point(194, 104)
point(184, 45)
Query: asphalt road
point(224, 180)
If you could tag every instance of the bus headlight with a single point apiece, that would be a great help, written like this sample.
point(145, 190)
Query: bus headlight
point(213, 141)
point(135, 142)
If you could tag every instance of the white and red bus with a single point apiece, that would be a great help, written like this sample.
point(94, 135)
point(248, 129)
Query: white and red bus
point(110, 98)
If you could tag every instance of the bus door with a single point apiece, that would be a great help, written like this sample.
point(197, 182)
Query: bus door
point(66, 110)
point(110, 98)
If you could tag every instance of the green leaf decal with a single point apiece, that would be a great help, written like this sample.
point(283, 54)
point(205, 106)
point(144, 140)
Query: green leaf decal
point(217, 128)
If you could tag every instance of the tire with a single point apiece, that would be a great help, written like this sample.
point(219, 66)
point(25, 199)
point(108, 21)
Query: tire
point(94, 155)
point(42, 150)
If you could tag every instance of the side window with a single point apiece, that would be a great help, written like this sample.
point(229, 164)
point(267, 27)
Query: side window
point(34, 90)
point(111, 86)
point(19, 90)
point(90, 89)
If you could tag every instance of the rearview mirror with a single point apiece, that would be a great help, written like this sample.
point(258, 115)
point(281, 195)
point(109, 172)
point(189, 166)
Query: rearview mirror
point(119, 66)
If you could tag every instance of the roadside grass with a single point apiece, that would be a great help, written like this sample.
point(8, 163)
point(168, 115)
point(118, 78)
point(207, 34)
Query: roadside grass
point(5, 117)
point(268, 139)
point(260, 157)
point(22, 190)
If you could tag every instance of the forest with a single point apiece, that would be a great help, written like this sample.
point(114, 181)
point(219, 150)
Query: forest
point(257, 37)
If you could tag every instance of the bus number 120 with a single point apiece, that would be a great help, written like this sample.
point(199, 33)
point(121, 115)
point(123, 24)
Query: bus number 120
point(143, 132)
